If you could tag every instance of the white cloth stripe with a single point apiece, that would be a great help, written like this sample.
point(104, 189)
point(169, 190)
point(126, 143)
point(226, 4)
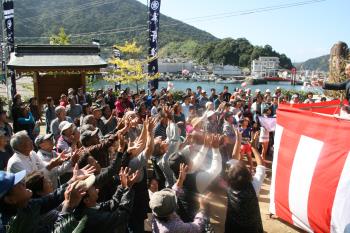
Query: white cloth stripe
point(303, 168)
point(7, 12)
point(340, 219)
point(8, 16)
point(277, 140)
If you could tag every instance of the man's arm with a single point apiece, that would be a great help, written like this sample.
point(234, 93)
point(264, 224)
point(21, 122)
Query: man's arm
point(150, 138)
point(335, 86)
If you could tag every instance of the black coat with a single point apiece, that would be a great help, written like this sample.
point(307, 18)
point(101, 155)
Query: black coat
point(109, 216)
point(243, 212)
point(339, 86)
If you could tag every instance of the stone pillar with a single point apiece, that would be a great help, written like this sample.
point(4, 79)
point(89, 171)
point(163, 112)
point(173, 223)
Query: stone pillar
point(339, 56)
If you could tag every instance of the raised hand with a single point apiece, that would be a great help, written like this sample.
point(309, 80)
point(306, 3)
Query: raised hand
point(133, 178)
point(73, 195)
point(238, 134)
point(183, 172)
point(204, 201)
point(136, 148)
point(76, 155)
point(127, 180)
point(151, 124)
point(82, 174)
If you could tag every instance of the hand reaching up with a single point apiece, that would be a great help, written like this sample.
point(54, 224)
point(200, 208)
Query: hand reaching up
point(136, 148)
point(82, 174)
point(73, 195)
point(238, 134)
point(127, 180)
point(183, 172)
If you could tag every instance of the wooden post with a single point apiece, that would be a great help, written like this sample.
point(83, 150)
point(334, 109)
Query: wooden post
point(36, 86)
point(83, 80)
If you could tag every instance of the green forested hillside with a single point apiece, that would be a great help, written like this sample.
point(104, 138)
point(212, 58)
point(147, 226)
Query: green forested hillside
point(318, 63)
point(117, 21)
point(126, 20)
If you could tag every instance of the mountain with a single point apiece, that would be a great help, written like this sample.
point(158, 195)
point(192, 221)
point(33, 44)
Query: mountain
point(125, 20)
point(117, 21)
point(319, 63)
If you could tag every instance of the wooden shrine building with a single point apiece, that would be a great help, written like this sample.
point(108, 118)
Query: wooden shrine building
point(56, 68)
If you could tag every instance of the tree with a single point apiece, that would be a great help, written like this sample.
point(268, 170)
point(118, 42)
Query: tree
point(60, 39)
point(129, 68)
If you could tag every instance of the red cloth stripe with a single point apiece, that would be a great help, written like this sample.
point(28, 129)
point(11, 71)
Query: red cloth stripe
point(324, 185)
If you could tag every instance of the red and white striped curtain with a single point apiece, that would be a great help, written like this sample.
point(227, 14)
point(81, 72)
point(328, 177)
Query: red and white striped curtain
point(310, 185)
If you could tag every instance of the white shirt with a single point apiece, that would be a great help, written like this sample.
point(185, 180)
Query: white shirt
point(54, 174)
point(31, 163)
point(258, 178)
point(185, 109)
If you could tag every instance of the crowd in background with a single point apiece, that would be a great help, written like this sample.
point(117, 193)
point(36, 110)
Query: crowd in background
point(135, 161)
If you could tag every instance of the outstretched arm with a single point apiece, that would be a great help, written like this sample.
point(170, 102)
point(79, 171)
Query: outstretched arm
point(237, 147)
point(335, 86)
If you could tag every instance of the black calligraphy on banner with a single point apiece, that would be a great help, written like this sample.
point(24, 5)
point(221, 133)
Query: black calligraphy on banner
point(153, 28)
point(10, 38)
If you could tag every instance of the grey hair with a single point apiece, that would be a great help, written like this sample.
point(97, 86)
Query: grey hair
point(59, 109)
point(17, 139)
point(87, 119)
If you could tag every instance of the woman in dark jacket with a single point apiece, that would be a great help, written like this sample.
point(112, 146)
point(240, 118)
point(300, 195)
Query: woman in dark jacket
point(15, 111)
point(26, 122)
point(243, 213)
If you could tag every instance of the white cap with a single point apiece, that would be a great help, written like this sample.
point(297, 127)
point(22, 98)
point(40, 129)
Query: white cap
point(257, 91)
point(64, 125)
point(267, 91)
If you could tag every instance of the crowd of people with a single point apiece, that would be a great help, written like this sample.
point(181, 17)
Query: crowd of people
point(135, 162)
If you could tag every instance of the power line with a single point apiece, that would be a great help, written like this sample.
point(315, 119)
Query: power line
point(194, 19)
point(72, 10)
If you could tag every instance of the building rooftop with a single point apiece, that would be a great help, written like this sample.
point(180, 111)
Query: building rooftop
point(56, 56)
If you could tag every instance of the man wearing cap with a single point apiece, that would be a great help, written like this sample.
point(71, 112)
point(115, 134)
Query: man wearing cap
point(110, 216)
point(203, 99)
point(97, 113)
point(61, 116)
point(164, 204)
point(45, 145)
point(99, 150)
point(213, 123)
point(25, 158)
point(16, 201)
point(66, 139)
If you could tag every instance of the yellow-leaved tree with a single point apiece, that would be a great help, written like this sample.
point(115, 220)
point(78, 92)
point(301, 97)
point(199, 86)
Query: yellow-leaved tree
point(129, 68)
point(60, 39)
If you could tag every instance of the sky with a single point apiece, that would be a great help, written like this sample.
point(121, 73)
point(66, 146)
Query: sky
point(301, 32)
